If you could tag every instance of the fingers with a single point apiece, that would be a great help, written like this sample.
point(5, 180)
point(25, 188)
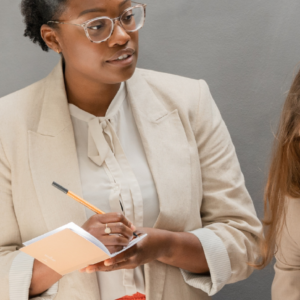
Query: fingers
point(114, 218)
point(124, 256)
point(117, 222)
point(130, 263)
point(114, 240)
point(113, 249)
point(127, 264)
point(119, 228)
point(125, 260)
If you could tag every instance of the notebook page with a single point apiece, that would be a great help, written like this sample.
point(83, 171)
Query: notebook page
point(78, 230)
point(75, 229)
point(89, 237)
point(132, 243)
point(67, 226)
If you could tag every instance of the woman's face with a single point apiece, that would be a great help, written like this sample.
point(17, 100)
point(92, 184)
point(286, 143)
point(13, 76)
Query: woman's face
point(97, 62)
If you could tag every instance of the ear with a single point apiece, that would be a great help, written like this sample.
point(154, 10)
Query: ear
point(50, 37)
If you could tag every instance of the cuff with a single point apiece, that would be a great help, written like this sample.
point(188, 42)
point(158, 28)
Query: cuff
point(218, 262)
point(20, 275)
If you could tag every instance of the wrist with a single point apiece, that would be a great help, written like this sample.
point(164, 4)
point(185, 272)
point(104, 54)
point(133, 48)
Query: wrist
point(42, 278)
point(166, 244)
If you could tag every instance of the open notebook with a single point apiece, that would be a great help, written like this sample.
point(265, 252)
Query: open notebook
point(69, 248)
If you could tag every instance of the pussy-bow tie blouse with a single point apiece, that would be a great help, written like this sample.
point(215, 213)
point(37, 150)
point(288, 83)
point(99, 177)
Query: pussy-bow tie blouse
point(114, 172)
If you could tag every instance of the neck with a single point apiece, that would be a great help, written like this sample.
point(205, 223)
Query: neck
point(90, 96)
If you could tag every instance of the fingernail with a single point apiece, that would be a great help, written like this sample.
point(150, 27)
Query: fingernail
point(90, 270)
point(133, 227)
point(108, 263)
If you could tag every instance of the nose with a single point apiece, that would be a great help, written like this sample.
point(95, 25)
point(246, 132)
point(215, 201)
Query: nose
point(119, 36)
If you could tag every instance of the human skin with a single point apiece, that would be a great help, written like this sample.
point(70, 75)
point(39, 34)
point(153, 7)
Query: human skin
point(91, 82)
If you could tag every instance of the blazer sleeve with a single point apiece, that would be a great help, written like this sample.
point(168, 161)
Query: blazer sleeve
point(231, 229)
point(15, 266)
point(287, 266)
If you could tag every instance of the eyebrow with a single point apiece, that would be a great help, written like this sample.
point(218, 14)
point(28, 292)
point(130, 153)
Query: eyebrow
point(102, 10)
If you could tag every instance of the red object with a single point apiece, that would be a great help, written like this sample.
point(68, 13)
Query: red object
point(136, 296)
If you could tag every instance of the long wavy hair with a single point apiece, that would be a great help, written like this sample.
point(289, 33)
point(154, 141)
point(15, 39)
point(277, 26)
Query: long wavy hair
point(284, 174)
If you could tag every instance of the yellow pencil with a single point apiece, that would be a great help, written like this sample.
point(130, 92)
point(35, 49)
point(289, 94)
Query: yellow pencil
point(79, 199)
point(83, 202)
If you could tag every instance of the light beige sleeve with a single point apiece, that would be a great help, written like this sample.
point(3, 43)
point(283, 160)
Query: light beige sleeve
point(12, 284)
point(287, 267)
point(227, 210)
point(218, 262)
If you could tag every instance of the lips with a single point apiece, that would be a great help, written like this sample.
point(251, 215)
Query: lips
point(122, 55)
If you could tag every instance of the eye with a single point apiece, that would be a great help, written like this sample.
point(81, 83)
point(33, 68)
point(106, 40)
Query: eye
point(129, 17)
point(95, 27)
point(98, 25)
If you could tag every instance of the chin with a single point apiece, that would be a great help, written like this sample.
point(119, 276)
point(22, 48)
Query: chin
point(118, 76)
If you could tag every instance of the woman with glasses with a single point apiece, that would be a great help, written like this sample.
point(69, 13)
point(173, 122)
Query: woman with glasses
point(149, 149)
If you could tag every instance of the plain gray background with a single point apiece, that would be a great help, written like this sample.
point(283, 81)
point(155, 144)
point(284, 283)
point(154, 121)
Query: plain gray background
point(247, 51)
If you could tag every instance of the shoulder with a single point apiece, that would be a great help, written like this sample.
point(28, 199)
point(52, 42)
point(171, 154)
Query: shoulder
point(191, 97)
point(172, 83)
point(292, 218)
point(166, 78)
point(175, 91)
point(288, 242)
point(23, 107)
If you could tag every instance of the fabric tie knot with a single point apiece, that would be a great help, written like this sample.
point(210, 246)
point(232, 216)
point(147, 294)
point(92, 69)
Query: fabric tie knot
point(103, 124)
point(99, 133)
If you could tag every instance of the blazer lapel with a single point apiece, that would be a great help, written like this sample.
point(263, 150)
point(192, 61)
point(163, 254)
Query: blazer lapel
point(53, 157)
point(167, 151)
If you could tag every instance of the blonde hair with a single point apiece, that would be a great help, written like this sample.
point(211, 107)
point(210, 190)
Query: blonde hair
point(284, 174)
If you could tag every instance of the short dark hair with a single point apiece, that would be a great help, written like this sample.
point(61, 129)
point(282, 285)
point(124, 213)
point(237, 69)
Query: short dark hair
point(39, 12)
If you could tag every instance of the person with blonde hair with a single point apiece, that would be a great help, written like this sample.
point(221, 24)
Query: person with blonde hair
point(282, 202)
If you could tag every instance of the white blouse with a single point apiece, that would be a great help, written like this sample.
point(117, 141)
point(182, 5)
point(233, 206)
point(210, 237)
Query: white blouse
point(114, 169)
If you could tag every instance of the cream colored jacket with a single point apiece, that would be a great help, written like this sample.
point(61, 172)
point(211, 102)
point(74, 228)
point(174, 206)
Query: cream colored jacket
point(286, 284)
point(192, 159)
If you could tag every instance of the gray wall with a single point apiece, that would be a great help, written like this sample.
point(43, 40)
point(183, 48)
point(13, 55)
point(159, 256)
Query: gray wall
point(247, 51)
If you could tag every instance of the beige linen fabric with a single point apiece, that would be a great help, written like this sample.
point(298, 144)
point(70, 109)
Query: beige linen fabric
point(287, 267)
point(191, 157)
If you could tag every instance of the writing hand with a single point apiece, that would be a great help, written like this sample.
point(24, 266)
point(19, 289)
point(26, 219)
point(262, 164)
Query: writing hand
point(152, 247)
point(121, 230)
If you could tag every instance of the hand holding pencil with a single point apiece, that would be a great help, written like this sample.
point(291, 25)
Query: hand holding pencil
point(101, 225)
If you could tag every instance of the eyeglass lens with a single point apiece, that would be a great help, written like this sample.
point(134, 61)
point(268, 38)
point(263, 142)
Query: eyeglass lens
point(132, 20)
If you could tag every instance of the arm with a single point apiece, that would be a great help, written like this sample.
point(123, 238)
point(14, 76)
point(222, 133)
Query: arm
point(15, 266)
point(183, 250)
point(287, 270)
point(42, 279)
point(178, 249)
point(231, 229)
point(228, 239)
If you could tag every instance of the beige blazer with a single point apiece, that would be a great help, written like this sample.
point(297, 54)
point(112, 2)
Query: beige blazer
point(190, 154)
point(286, 284)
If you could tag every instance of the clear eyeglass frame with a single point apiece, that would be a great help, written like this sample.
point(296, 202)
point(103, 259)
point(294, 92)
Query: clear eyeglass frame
point(85, 24)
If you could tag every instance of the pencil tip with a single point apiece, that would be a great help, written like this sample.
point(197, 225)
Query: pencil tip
point(60, 187)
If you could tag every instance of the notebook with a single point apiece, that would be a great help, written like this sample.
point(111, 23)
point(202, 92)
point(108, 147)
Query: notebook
point(70, 248)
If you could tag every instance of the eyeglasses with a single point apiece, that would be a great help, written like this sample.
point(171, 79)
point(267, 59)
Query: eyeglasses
point(100, 29)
